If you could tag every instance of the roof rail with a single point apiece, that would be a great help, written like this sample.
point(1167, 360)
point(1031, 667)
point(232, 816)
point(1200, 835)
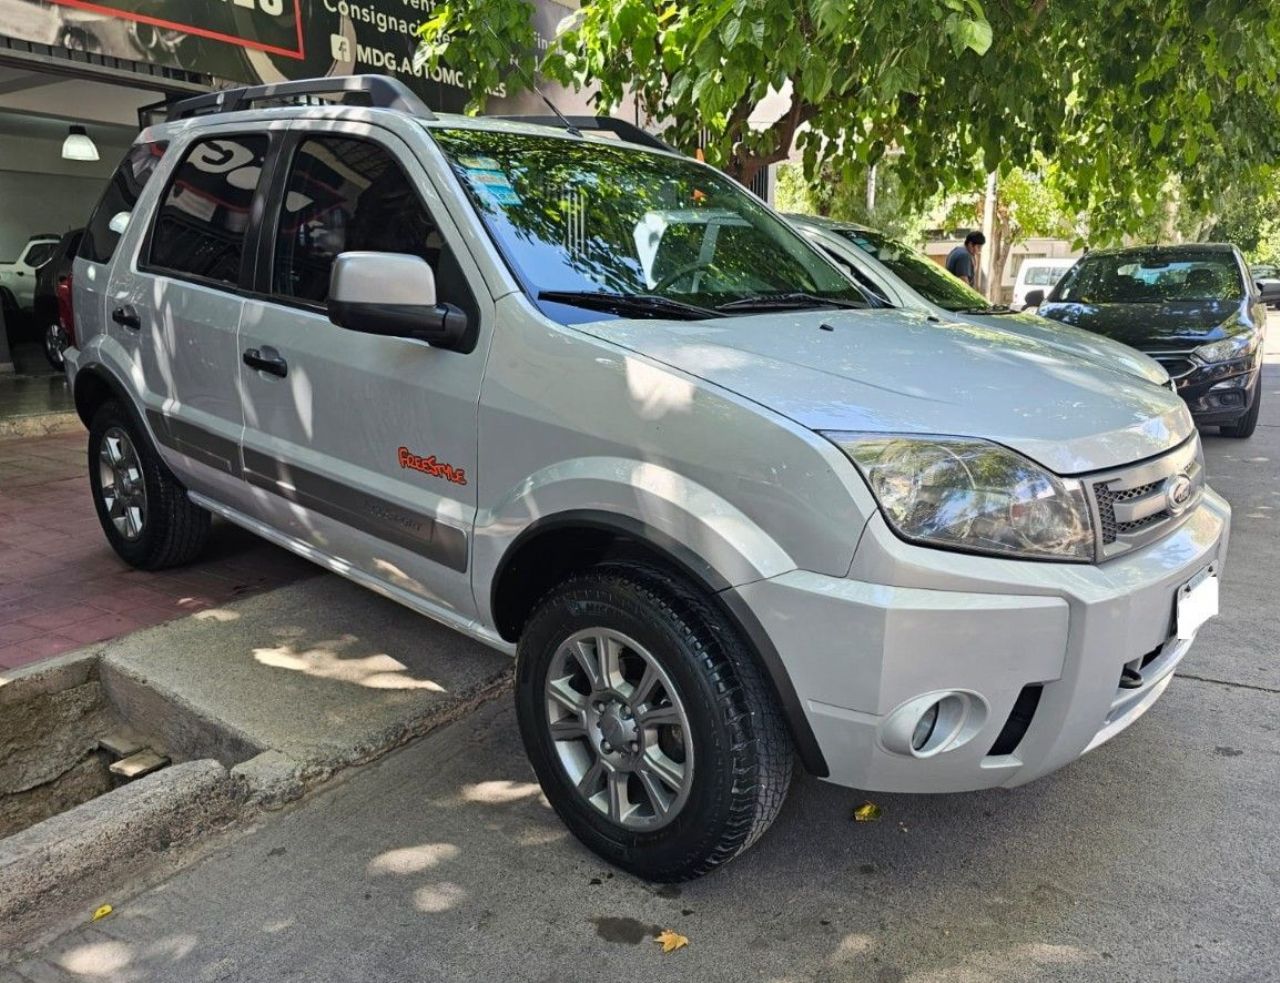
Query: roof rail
point(618, 127)
point(379, 91)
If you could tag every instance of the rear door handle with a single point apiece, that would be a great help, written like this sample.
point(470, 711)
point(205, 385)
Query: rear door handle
point(266, 360)
point(127, 317)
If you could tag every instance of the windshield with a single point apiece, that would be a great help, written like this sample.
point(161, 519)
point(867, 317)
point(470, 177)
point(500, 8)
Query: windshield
point(924, 276)
point(1152, 277)
point(581, 216)
point(1265, 271)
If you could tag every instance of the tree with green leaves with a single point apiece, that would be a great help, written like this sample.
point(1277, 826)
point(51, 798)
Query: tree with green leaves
point(1120, 95)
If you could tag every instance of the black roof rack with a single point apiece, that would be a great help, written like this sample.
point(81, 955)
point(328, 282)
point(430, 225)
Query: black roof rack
point(618, 127)
point(378, 91)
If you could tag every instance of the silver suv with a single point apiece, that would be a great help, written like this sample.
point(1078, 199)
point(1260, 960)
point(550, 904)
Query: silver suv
point(592, 403)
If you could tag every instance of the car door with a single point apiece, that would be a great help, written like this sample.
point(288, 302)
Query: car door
point(362, 445)
point(179, 306)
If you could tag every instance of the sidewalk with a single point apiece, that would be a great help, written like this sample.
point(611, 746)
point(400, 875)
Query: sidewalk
point(61, 585)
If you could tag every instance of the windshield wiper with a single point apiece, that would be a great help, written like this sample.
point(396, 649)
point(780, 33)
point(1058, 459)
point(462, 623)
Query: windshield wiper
point(629, 304)
point(795, 300)
point(989, 309)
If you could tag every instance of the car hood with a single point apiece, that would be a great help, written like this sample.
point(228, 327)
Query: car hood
point(1068, 338)
point(889, 371)
point(1151, 327)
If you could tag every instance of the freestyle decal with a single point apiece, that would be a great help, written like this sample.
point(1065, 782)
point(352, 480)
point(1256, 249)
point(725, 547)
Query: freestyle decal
point(429, 465)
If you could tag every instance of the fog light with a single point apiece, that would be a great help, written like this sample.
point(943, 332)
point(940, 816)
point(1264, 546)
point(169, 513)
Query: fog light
point(924, 729)
point(932, 723)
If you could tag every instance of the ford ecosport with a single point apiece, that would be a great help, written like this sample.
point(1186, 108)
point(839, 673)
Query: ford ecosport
point(592, 403)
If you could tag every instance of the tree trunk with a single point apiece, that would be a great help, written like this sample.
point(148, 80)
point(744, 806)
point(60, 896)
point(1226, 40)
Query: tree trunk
point(1001, 247)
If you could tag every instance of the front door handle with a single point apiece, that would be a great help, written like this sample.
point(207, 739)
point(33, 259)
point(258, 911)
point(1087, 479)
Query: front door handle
point(266, 360)
point(127, 317)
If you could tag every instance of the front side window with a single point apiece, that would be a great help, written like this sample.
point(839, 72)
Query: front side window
point(925, 277)
point(1154, 276)
point(118, 201)
point(343, 195)
point(39, 253)
point(200, 227)
point(583, 217)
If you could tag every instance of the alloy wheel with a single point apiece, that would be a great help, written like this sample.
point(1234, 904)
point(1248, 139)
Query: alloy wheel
point(123, 487)
point(619, 728)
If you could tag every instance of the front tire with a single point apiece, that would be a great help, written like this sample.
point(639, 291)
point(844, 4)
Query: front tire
point(653, 734)
point(1247, 424)
point(144, 510)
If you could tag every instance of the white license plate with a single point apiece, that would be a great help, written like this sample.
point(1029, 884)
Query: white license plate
point(1197, 602)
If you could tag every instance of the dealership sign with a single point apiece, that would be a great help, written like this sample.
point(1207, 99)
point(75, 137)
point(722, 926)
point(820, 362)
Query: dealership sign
point(255, 40)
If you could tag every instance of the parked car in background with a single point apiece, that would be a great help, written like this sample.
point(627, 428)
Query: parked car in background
point(48, 313)
point(1267, 277)
point(19, 276)
point(1195, 308)
point(1038, 273)
point(592, 403)
point(907, 279)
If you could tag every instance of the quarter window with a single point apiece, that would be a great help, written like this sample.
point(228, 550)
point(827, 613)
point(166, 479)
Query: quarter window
point(346, 194)
point(200, 228)
point(118, 201)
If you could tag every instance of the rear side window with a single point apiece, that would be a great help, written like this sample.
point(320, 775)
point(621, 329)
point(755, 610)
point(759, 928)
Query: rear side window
point(201, 223)
point(116, 206)
point(347, 194)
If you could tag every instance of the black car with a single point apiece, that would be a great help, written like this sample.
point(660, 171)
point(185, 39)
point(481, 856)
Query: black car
point(45, 308)
point(1194, 308)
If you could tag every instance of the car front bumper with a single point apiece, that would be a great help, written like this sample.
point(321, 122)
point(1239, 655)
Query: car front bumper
point(911, 624)
point(1222, 393)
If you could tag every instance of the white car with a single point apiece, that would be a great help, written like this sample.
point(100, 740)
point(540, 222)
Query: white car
point(19, 276)
point(1038, 273)
point(725, 512)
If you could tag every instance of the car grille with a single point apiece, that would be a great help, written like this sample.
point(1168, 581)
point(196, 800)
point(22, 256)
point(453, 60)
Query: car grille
point(1176, 365)
point(1131, 506)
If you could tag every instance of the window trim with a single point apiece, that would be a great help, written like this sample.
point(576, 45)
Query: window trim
point(252, 232)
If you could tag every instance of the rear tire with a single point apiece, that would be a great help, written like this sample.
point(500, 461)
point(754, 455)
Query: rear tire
point(1247, 424)
point(723, 770)
point(144, 510)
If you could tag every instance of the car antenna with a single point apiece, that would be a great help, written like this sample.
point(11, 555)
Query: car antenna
point(568, 126)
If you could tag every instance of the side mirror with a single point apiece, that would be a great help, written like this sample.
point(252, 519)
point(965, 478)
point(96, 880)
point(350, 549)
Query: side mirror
point(392, 294)
point(1034, 298)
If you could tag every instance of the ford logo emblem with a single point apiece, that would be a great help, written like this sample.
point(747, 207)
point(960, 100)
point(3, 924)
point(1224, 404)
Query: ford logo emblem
point(1177, 493)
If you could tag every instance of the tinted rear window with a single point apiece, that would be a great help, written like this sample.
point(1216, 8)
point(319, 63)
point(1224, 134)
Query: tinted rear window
point(200, 227)
point(118, 201)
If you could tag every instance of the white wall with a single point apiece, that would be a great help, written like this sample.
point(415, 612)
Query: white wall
point(41, 192)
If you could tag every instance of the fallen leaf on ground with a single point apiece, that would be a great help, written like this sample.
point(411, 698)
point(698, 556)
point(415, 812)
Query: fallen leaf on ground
point(868, 812)
point(671, 941)
point(102, 912)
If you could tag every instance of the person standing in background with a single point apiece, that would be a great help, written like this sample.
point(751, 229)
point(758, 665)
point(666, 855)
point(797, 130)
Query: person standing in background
point(962, 262)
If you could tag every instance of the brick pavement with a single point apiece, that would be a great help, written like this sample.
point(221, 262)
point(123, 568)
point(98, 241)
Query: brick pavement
point(61, 585)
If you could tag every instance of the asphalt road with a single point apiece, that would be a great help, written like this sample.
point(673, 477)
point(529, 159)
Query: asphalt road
point(1157, 857)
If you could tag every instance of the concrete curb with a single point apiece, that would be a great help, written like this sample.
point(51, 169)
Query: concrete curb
point(64, 866)
point(39, 425)
point(75, 856)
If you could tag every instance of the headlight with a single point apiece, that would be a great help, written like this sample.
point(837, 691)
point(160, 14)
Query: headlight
point(1237, 346)
point(972, 495)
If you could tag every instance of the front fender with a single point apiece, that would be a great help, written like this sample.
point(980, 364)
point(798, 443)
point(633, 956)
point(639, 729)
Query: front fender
point(723, 544)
